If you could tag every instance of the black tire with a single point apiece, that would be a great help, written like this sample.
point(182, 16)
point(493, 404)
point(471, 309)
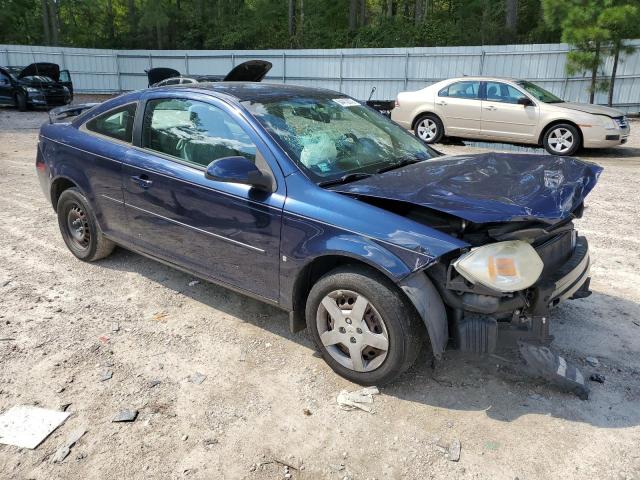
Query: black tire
point(21, 101)
point(429, 128)
point(74, 211)
point(562, 139)
point(404, 328)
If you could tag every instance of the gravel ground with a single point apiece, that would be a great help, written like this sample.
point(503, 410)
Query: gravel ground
point(267, 399)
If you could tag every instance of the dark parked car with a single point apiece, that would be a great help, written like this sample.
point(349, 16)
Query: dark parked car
point(250, 71)
point(36, 85)
point(310, 201)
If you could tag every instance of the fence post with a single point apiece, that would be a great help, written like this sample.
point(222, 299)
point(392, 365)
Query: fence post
point(482, 62)
point(406, 70)
point(150, 61)
point(117, 57)
point(233, 60)
point(186, 61)
point(6, 52)
point(340, 73)
point(284, 67)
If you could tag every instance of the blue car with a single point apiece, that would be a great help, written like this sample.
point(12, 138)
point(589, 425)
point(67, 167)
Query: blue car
point(308, 200)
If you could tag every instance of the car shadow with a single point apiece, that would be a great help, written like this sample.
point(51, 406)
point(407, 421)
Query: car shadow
point(495, 385)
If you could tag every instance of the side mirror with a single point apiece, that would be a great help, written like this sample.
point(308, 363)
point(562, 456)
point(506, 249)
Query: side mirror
point(526, 101)
point(239, 170)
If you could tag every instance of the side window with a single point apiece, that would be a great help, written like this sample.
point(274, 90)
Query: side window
point(65, 76)
point(469, 90)
point(501, 92)
point(195, 132)
point(116, 124)
point(4, 80)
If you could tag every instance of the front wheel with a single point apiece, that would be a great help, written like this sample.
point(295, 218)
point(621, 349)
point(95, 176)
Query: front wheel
point(363, 326)
point(79, 228)
point(562, 139)
point(429, 128)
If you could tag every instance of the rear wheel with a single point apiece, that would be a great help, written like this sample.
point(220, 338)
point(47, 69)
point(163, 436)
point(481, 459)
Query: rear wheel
point(79, 228)
point(429, 128)
point(562, 139)
point(363, 326)
point(21, 101)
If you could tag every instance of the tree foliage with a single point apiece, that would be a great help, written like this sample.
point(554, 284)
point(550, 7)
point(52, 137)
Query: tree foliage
point(259, 24)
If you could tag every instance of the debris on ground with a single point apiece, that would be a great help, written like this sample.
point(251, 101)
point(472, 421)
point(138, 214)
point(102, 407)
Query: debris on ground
point(103, 338)
point(160, 316)
point(193, 283)
point(106, 375)
point(7, 339)
point(596, 377)
point(65, 449)
point(125, 416)
point(115, 327)
point(361, 399)
point(454, 450)
point(593, 361)
point(154, 383)
point(197, 378)
point(306, 411)
point(26, 426)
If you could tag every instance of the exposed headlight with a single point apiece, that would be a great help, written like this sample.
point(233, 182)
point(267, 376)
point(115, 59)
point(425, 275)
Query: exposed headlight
point(32, 90)
point(66, 90)
point(504, 266)
point(607, 122)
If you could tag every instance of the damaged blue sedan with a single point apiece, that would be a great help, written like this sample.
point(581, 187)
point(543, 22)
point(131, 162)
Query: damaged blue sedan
point(304, 198)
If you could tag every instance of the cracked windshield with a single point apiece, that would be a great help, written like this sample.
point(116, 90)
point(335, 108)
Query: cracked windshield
point(337, 139)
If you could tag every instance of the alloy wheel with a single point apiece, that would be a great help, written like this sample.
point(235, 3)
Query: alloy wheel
point(561, 140)
point(427, 129)
point(352, 331)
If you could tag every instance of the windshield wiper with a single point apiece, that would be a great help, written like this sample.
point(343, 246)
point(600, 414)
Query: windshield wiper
point(349, 177)
point(402, 163)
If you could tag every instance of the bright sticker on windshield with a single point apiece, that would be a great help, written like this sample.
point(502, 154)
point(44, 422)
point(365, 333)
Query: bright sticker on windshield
point(346, 102)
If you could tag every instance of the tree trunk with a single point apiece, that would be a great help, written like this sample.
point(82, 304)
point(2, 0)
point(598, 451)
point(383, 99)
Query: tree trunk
point(594, 73)
point(111, 28)
point(301, 26)
point(363, 12)
point(46, 28)
point(353, 15)
point(131, 17)
point(614, 69)
point(55, 24)
point(292, 20)
point(389, 8)
point(418, 11)
point(511, 19)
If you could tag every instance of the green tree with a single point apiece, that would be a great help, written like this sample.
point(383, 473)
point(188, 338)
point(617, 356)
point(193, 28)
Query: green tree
point(622, 20)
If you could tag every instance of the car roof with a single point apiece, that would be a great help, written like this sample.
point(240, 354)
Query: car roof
point(253, 91)
point(483, 79)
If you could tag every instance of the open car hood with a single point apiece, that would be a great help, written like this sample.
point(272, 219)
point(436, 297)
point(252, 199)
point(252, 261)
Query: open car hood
point(487, 187)
point(51, 70)
point(250, 71)
point(155, 75)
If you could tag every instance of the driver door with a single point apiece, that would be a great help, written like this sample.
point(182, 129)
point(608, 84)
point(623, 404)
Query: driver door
point(224, 231)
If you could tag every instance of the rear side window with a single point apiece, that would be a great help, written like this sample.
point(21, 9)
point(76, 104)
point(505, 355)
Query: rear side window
point(468, 89)
point(116, 123)
point(193, 131)
point(64, 76)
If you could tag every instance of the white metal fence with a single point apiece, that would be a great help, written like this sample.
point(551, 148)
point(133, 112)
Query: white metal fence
point(352, 71)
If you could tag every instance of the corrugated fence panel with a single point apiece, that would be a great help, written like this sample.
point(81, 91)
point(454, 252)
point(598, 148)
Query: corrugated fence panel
point(352, 71)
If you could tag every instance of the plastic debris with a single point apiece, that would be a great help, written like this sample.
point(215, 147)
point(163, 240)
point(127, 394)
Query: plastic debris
point(454, 450)
point(65, 449)
point(125, 416)
point(193, 283)
point(197, 378)
point(361, 399)
point(27, 427)
point(106, 375)
point(593, 361)
point(596, 377)
point(160, 316)
point(115, 327)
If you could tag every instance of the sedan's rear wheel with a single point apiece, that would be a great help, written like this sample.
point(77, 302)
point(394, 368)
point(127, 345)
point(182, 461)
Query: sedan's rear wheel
point(79, 228)
point(429, 128)
point(562, 139)
point(363, 326)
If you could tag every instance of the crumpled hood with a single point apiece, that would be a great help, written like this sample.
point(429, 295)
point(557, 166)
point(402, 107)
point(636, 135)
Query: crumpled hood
point(594, 109)
point(51, 70)
point(487, 187)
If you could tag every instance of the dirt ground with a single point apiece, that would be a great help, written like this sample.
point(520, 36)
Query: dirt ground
point(267, 399)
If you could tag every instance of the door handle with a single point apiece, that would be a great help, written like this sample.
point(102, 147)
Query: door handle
point(142, 180)
point(441, 103)
point(490, 107)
